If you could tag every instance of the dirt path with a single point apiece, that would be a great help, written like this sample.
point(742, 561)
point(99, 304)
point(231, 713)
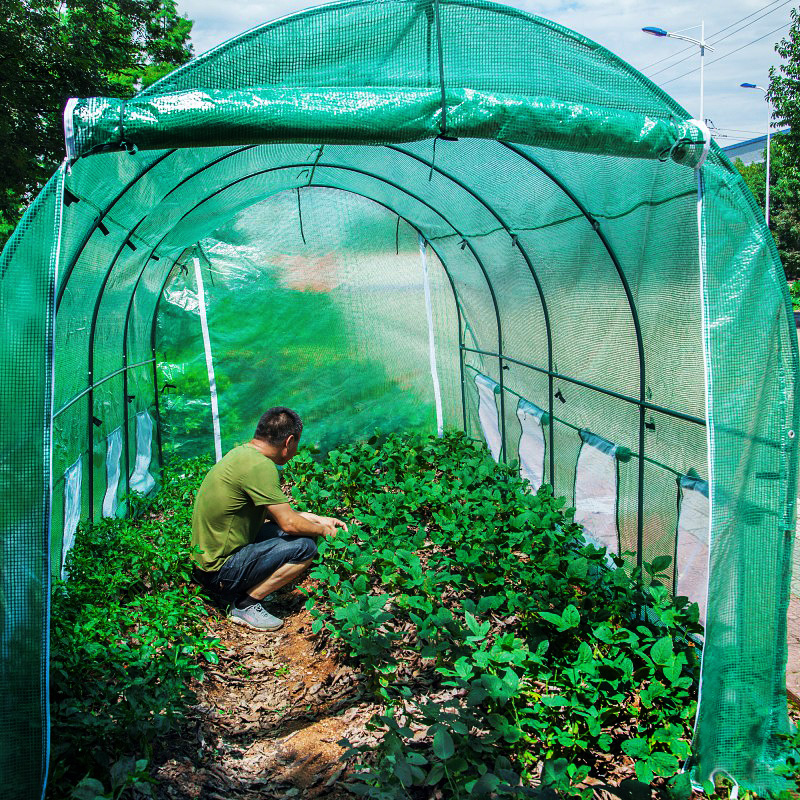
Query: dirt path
point(268, 719)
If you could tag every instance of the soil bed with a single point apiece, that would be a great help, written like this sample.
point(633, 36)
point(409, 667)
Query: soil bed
point(269, 716)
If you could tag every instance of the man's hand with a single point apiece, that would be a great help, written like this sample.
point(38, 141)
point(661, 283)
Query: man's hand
point(331, 522)
point(336, 523)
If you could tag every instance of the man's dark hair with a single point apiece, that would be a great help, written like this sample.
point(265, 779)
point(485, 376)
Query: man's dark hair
point(278, 424)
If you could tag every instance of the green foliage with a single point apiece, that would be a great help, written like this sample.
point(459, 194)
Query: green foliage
point(791, 769)
point(127, 635)
point(297, 355)
point(540, 658)
point(794, 293)
point(80, 48)
point(785, 151)
point(784, 86)
point(784, 203)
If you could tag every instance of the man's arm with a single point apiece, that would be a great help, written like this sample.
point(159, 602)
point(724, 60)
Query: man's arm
point(303, 523)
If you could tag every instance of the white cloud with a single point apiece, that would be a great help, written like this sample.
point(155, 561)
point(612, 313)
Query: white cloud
point(735, 112)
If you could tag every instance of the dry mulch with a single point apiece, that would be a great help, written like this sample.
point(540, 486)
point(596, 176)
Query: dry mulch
point(268, 717)
point(271, 714)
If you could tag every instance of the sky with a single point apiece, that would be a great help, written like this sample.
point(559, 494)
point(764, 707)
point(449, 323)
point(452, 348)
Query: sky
point(745, 50)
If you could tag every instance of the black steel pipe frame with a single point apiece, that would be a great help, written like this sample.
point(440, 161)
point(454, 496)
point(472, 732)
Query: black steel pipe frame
point(460, 333)
point(549, 371)
point(536, 281)
point(595, 225)
point(154, 319)
point(88, 389)
point(126, 369)
point(90, 370)
point(103, 214)
point(627, 398)
point(577, 429)
point(159, 440)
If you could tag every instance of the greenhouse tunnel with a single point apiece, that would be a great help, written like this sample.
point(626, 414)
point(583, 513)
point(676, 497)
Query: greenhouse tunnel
point(413, 215)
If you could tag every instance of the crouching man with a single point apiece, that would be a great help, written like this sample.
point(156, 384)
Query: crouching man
point(251, 541)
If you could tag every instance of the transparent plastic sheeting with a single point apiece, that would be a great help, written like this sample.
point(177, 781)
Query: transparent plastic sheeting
point(141, 479)
point(72, 510)
point(113, 457)
point(343, 336)
point(596, 492)
point(532, 446)
point(561, 194)
point(691, 549)
point(487, 413)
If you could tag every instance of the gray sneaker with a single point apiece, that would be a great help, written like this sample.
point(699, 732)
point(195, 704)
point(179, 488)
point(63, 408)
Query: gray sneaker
point(256, 617)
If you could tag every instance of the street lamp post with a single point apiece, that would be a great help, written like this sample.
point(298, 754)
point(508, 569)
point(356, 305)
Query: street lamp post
point(701, 43)
point(769, 125)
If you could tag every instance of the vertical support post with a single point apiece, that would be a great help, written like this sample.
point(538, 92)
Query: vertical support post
point(126, 448)
point(461, 363)
point(437, 393)
point(159, 442)
point(212, 383)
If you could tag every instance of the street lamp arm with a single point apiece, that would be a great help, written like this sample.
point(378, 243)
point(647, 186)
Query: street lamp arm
point(698, 42)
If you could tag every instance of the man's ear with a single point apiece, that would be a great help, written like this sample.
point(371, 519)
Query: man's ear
point(288, 443)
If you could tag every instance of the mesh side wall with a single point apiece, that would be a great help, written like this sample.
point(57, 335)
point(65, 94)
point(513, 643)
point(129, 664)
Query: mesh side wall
point(28, 267)
point(753, 488)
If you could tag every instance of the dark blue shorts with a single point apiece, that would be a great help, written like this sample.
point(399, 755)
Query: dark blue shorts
point(255, 562)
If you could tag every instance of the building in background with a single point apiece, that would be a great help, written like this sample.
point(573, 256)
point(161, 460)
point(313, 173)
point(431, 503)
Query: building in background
point(752, 150)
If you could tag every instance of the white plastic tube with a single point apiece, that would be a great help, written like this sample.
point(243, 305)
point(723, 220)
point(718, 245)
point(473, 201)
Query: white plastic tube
point(212, 382)
point(437, 392)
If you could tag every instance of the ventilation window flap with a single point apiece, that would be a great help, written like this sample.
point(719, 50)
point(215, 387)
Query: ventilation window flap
point(487, 413)
point(596, 491)
point(72, 510)
point(141, 480)
point(113, 455)
point(531, 443)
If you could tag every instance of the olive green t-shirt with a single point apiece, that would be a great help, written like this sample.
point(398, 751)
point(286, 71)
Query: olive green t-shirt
point(229, 508)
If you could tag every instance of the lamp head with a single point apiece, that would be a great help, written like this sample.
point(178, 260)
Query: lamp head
point(748, 86)
point(655, 31)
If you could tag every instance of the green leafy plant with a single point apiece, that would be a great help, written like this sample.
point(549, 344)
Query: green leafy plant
point(127, 637)
point(544, 661)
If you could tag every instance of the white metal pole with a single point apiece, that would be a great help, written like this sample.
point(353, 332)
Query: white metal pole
point(212, 382)
point(769, 122)
point(702, 62)
point(437, 392)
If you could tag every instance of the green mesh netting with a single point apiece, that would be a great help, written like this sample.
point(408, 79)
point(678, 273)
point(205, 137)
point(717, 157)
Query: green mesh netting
point(587, 257)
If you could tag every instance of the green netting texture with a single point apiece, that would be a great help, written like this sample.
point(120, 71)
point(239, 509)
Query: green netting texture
point(304, 165)
point(28, 268)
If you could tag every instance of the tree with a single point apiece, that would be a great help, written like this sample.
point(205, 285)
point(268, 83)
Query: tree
point(784, 201)
point(50, 51)
point(784, 96)
point(784, 88)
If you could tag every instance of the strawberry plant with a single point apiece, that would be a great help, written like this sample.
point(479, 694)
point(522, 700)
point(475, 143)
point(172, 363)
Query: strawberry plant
point(127, 636)
point(539, 665)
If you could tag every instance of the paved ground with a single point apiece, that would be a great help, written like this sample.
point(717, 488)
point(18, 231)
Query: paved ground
point(793, 665)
